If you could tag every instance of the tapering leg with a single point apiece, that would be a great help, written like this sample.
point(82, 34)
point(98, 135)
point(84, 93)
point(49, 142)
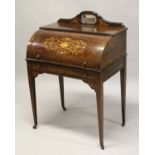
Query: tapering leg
point(100, 110)
point(61, 83)
point(31, 80)
point(123, 92)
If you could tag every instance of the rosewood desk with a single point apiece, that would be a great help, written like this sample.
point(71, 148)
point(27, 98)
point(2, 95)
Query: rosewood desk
point(86, 47)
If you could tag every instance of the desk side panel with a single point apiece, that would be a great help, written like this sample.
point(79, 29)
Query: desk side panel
point(115, 49)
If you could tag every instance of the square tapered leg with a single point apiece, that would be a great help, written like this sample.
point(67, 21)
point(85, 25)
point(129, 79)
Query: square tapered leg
point(100, 110)
point(61, 83)
point(31, 80)
point(123, 92)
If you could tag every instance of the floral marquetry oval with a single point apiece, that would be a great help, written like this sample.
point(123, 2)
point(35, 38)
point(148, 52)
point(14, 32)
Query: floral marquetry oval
point(64, 45)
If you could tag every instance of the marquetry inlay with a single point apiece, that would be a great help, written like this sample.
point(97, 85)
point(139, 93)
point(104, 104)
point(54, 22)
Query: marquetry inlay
point(64, 45)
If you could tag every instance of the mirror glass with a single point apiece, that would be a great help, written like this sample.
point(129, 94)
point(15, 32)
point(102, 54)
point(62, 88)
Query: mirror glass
point(88, 19)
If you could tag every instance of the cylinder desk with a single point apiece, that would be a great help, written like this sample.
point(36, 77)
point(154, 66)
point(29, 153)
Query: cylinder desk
point(85, 47)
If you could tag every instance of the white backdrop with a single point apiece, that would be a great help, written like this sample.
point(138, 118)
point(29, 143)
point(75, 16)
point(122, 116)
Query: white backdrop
point(56, 128)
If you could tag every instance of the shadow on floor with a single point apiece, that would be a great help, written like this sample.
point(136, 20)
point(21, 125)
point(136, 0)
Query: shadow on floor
point(82, 116)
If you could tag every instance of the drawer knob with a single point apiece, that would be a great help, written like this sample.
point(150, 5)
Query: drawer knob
point(84, 63)
point(37, 56)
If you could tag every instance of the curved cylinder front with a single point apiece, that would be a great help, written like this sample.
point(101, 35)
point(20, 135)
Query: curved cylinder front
point(83, 50)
